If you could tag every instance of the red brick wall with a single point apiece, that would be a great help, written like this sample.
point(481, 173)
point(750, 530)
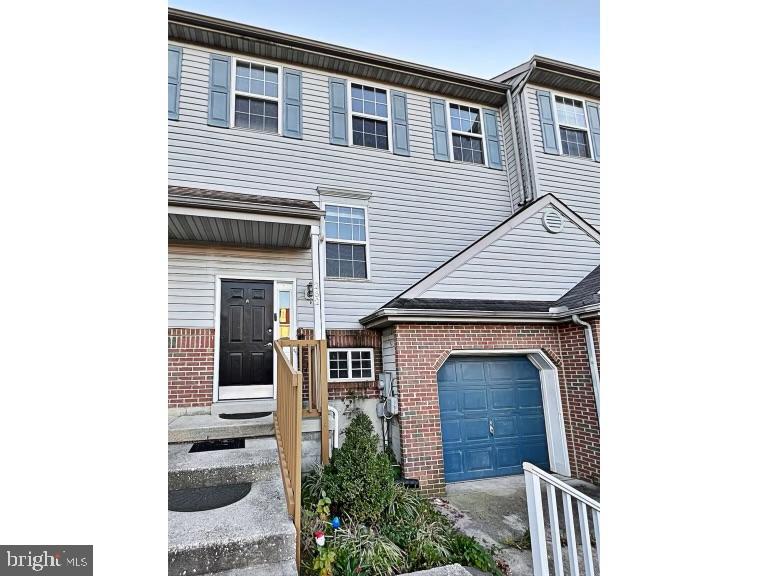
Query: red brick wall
point(422, 348)
point(190, 367)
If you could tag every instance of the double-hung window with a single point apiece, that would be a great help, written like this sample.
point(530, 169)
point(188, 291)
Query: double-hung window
point(350, 364)
point(346, 246)
point(466, 134)
point(370, 117)
point(257, 93)
point(572, 121)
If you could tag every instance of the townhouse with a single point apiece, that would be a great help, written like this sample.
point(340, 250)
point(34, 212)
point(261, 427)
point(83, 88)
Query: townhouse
point(439, 231)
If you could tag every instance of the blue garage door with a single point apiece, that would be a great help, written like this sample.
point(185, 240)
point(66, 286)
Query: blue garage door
point(492, 417)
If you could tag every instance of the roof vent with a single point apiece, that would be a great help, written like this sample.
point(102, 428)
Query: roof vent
point(552, 220)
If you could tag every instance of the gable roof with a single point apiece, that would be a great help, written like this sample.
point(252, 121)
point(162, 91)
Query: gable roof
point(555, 74)
point(527, 282)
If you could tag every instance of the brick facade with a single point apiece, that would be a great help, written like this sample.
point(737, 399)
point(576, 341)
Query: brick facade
point(190, 367)
point(421, 349)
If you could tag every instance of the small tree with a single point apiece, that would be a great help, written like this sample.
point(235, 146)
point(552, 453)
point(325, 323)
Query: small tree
point(359, 477)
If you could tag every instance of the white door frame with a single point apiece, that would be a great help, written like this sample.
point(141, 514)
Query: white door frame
point(557, 445)
point(276, 282)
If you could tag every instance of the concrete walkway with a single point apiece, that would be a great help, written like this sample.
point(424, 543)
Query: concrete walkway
point(495, 512)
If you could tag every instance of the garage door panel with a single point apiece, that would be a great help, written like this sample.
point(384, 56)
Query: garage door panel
point(478, 459)
point(476, 429)
point(451, 431)
point(503, 398)
point(475, 390)
point(475, 399)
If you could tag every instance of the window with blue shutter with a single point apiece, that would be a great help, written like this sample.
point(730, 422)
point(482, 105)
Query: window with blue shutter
point(174, 81)
point(337, 94)
point(492, 144)
point(218, 91)
point(400, 144)
point(547, 121)
point(593, 112)
point(292, 127)
point(439, 129)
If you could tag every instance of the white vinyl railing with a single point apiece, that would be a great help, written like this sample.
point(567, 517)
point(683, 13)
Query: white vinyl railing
point(585, 507)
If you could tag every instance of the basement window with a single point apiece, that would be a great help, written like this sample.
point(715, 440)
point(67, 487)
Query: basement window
point(350, 364)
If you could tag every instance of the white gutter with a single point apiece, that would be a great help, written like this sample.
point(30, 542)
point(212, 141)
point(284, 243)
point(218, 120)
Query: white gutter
point(592, 359)
point(319, 331)
point(335, 413)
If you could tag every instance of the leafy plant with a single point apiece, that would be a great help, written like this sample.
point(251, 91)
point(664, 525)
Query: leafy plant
point(406, 504)
point(469, 552)
point(359, 477)
point(323, 507)
point(374, 552)
point(323, 562)
point(312, 484)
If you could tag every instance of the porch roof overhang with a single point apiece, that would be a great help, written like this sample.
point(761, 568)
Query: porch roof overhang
point(202, 216)
point(480, 312)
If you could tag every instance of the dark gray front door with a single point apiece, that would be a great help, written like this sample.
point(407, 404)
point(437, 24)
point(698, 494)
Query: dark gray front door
point(245, 339)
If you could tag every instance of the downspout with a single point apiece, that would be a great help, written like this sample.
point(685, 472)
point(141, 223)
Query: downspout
point(335, 413)
point(592, 359)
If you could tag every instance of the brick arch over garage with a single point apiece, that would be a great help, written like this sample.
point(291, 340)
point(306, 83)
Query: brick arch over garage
point(422, 348)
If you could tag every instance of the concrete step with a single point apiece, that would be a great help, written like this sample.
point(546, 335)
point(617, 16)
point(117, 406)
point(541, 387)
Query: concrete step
point(240, 406)
point(277, 569)
point(257, 461)
point(251, 533)
point(210, 427)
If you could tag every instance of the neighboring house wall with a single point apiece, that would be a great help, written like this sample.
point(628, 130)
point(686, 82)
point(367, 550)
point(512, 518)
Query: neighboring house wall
point(575, 181)
point(190, 367)
point(192, 272)
point(528, 263)
point(422, 348)
point(420, 213)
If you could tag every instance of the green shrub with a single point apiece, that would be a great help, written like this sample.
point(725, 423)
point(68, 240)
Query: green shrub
point(359, 477)
point(406, 504)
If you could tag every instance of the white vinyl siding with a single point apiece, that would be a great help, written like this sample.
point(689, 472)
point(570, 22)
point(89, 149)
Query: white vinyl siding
point(421, 211)
point(192, 275)
point(574, 180)
point(527, 263)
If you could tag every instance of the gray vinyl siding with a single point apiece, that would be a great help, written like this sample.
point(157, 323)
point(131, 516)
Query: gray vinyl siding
point(509, 157)
point(388, 350)
point(575, 181)
point(528, 263)
point(421, 211)
point(192, 275)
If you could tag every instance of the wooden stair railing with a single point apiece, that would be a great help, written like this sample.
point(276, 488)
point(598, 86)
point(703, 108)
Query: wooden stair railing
point(300, 364)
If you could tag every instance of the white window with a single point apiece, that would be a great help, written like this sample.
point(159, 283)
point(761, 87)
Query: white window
point(466, 134)
point(573, 129)
point(256, 102)
point(346, 242)
point(350, 364)
point(370, 116)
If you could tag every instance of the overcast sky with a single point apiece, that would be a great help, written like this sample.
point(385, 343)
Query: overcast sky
point(482, 38)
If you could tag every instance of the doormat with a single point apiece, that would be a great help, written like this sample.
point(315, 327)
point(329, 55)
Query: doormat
point(226, 444)
point(206, 498)
point(244, 415)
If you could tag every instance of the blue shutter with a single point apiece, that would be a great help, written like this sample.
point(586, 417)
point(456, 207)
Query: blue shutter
point(593, 112)
point(292, 103)
point(218, 91)
point(547, 119)
point(337, 93)
point(439, 129)
point(174, 81)
point(399, 104)
point(493, 149)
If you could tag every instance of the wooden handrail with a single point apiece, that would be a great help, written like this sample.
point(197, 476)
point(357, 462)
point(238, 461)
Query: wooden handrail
point(299, 362)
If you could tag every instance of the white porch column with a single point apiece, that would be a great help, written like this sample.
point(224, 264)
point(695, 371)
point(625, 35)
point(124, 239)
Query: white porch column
point(317, 283)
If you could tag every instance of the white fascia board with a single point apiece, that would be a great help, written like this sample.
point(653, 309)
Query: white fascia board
point(233, 215)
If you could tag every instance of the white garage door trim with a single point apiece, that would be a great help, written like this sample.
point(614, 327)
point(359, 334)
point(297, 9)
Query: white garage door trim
point(550, 395)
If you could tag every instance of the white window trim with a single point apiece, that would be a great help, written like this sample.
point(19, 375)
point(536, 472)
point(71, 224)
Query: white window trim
point(572, 126)
point(235, 93)
point(451, 132)
point(350, 114)
point(357, 242)
point(349, 365)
